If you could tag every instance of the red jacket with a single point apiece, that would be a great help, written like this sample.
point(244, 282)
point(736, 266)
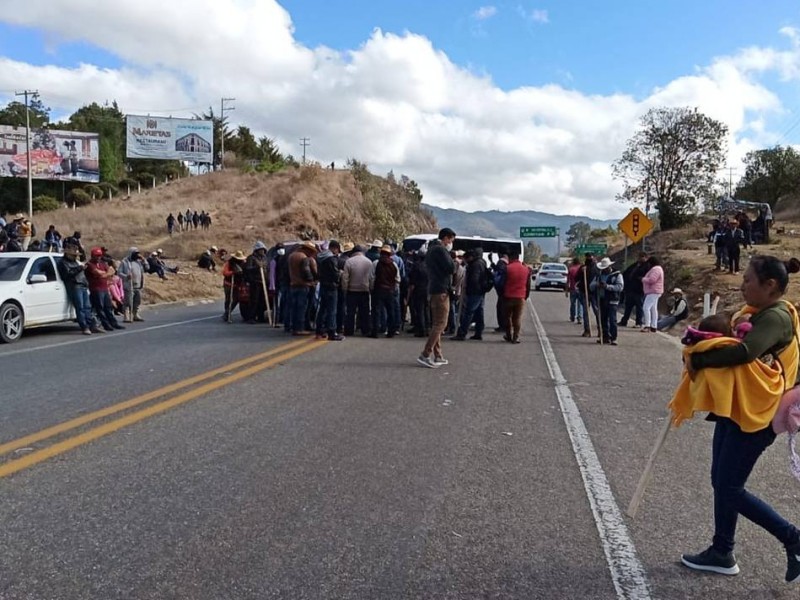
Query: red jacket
point(96, 273)
point(518, 280)
point(572, 277)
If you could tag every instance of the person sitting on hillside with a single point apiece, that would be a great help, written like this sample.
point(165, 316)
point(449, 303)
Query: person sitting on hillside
point(678, 312)
point(52, 240)
point(206, 261)
point(154, 267)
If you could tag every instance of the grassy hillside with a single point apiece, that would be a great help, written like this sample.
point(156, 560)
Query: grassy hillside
point(308, 203)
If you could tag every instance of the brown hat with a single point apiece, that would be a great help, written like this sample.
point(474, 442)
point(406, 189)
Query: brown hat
point(386, 249)
point(238, 255)
point(348, 246)
point(310, 246)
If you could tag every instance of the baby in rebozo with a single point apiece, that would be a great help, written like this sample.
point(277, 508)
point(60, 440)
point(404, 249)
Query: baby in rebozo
point(716, 326)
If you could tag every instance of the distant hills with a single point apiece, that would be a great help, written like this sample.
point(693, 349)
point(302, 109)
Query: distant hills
point(499, 224)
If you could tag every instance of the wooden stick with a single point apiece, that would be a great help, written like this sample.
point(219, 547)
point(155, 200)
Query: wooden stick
point(266, 295)
point(633, 507)
point(587, 305)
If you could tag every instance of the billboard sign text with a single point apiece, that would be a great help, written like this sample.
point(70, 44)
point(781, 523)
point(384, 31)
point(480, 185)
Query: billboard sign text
point(169, 139)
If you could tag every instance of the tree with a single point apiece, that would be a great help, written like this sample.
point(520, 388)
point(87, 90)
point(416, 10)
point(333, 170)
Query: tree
point(672, 159)
point(109, 123)
point(14, 113)
point(533, 253)
point(220, 126)
point(578, 233)
point(244, 144)
point(769, 174)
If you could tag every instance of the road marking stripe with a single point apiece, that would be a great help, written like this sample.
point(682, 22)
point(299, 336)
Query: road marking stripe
point(115, 408)
point(34, 458)
point(98, 336)
point(627, 573)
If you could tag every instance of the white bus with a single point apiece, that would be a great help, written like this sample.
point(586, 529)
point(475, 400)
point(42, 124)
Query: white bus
point(491, 246)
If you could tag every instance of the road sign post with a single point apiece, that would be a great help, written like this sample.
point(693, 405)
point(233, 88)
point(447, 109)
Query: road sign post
point(635, 225)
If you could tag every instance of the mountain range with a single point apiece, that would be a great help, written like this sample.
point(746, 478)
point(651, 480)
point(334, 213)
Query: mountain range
point(499, 224)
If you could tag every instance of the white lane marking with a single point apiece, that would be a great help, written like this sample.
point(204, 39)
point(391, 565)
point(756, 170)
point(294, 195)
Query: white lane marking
point(100, 336)
point(627, 573)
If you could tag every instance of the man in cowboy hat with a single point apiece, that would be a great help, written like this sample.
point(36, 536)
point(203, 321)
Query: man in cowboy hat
point(302, 282)
point(384, 278)
point(678, 312)
point(255, 270)
point(607, 287)
point(232, 280)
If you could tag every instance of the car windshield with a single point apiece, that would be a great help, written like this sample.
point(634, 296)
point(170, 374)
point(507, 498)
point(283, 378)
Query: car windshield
point(11, 268)
point(554, 267)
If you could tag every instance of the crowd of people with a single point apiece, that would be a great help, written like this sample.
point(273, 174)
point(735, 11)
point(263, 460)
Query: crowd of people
point(333, 290)
point(190, 220)
point(728, 237)
point(598, 289)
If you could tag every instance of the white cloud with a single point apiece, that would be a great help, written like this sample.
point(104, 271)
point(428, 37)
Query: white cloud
point(484, 12)
point(536, 15)
point(396, 102)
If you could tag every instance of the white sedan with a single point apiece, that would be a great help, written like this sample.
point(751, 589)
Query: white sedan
point(31, 293)
point(552, 275)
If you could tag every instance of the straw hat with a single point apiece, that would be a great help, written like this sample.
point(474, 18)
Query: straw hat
point(238, 255)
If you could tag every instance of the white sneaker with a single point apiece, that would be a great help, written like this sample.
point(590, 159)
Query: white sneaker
point(427, 361)
point(441, 361)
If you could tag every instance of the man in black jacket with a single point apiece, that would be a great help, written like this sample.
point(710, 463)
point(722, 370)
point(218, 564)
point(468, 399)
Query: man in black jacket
point(475, 286)
point(440, 279)
point(72, 273)
point(329, 283)
point(634, 293)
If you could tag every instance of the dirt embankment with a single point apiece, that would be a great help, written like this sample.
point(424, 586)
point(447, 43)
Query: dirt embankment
point(307, 203)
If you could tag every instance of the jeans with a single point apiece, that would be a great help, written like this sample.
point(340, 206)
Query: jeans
point(326, 314)
point(501, 311)
point(79, 296)
point(666, 322)
point(514, 308)
point(383, 303)
point(734, 454)
point(633, 302)
point(298, 305)
point(440, 307)
point(608, 321)
point(101, 303)
point(651, 310)
point(473, 313)
point(575, 306)
point(357, 304)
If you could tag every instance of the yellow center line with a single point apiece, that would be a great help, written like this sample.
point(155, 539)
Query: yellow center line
point(136, 401)
point(34, 458)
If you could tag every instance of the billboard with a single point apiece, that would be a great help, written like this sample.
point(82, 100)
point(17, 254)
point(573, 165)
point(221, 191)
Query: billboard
point(169, 139)
point(55, 154)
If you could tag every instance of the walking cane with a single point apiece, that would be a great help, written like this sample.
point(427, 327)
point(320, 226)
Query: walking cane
point(633, 507)
point(230, 300)
point(266, 295)
point(586, 299)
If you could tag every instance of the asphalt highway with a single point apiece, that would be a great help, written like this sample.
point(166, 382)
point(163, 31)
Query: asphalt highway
point(189, 458)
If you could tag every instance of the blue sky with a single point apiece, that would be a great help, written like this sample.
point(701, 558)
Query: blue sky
point(541, 102)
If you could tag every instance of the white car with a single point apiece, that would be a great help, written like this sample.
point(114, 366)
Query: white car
point(31, 293)
point(553, 275)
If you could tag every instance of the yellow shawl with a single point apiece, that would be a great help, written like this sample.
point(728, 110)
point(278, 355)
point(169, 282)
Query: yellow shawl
point(749, 394)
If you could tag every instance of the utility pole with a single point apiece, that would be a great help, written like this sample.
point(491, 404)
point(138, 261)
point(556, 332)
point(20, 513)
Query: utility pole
point(33, 94)
point(305, 143)
point(222, 110)
point(730, 180)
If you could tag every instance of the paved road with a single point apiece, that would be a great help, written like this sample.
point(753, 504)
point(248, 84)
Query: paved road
point(188, 458)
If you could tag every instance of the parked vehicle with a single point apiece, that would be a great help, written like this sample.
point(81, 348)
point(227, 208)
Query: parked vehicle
point(32, 293)
point(551, 275)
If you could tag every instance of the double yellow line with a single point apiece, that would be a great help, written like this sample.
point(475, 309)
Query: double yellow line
point(258, 362)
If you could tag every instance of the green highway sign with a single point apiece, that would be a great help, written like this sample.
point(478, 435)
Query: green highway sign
point(592, 248)
point(538, 232)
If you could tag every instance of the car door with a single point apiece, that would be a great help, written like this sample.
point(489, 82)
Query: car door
point(44, 300)
point(65, 309)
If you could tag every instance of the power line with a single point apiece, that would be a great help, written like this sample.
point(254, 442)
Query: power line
point(305, 143)
point(222, 110)
point(33, 94)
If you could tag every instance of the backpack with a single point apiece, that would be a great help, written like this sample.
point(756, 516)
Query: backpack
point(488, 284)
point(499, 280)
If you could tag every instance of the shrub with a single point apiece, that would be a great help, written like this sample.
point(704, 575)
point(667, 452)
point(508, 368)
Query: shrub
point(125, 183)
point(106, 187)
point(45, 204)
point(146, 179)
point(95, 191)
point(79, 198)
